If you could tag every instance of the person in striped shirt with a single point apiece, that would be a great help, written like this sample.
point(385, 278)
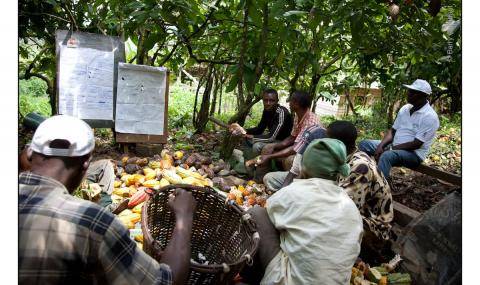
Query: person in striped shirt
point(284, 151)
point(275, 118)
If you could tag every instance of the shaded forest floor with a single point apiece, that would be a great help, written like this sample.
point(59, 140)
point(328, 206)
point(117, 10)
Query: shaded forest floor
point(415, 190)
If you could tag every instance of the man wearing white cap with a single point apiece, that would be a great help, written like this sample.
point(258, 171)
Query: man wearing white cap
point(408, 141)
point(66, 240)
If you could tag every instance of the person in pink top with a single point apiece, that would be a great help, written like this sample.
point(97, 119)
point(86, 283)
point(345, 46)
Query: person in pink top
point(285, 150)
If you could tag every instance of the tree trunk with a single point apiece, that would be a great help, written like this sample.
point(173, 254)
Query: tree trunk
point(241, 61)
point(229, 142)
point(52, 93)
point(141, 52)
point(350, 104)
point(455, 103)
point(390, 115)
point(202, 118)
point(293, 81)
point(194, 117)
point(179, 78)
point(215, 93)
point(245, 103)
point(221, 93)
point(311, 91)
point(391, 110)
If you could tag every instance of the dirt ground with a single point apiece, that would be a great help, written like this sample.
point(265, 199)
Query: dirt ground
point(415, 190)
point(418, 191)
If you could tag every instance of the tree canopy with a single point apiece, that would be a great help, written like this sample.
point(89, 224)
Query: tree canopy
point(321, 46)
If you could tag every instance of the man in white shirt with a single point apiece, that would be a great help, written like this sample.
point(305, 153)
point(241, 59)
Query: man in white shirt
point(408, 141)
point(310, 231)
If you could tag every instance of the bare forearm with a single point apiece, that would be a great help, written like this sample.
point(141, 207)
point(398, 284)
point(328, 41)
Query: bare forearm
point(177, 253)
point(388, 138)
point(285, 143)
point(288, 179)
point(413, 145)
point(283, 153)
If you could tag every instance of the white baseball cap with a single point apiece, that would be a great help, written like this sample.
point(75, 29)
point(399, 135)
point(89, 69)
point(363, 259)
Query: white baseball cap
point(63, 127)
point(420, 85)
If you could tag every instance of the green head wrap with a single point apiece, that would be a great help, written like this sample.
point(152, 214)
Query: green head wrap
point(325, 158)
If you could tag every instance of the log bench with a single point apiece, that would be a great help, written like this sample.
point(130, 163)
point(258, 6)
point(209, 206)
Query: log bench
point(439, 174)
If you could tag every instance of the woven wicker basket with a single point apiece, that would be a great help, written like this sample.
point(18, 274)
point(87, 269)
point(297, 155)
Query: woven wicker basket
point(224, 234)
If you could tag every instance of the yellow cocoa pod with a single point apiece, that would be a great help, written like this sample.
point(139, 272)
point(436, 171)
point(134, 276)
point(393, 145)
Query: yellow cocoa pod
point(139, 238)
point(178, 155)
point(154, 164)
point(151, 183)
point(139, 178)
point(149, 173)
point(164, 182)
point(138, 209)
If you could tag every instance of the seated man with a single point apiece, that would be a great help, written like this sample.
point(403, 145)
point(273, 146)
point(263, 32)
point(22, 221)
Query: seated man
point(275, 118)
point(63, 239)
point(278, 179)
point(284, 151)
point(311, 230)
point(408, 141)
point(365, 184)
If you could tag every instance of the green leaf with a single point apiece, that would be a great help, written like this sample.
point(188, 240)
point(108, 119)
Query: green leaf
point(249, 76)
point(51, 2)
point(152, 40)
point(258, 88)
point(232, 69)
point(294, 12)
point(135, 5)
point(232, 84)
point(255, 14)
point(277, 8)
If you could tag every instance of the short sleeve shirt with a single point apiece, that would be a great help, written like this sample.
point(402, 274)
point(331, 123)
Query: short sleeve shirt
point(422, 125)
point(311, 133)
point(299, 126)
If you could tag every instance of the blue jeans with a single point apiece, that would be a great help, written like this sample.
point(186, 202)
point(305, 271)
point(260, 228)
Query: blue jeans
point(390, 158)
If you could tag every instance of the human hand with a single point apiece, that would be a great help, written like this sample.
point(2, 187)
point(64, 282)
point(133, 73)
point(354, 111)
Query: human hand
point(237, 130)
point(182, 203)
point(378, 152)
point(262, 159)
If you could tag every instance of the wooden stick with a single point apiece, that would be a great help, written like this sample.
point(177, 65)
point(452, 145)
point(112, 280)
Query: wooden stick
point(218, 122)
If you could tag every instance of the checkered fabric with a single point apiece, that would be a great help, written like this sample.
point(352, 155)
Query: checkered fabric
point(66, 240)
point(309, 134)
point(299, 126)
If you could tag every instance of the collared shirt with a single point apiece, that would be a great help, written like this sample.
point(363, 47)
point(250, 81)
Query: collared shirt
point(370, 191)
point(309, 134)
point(299, 126)
point(320, 232)
point(421, 125)
point(66, 240)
